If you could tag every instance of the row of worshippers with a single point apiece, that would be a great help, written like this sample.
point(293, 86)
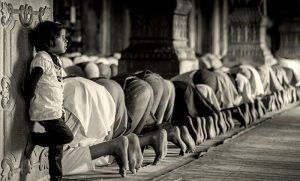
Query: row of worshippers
point(122, 115)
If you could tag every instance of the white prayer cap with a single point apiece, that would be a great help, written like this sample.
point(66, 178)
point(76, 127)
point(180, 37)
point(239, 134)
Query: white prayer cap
point(81, 59)
point(104, 70)
point(102, 60)
point(66, 62)
point(114, 70)
point(204, 62)
point(113, 60)
point(93, 58)
point(214, 61)
point(117, 55)
point(91, 70)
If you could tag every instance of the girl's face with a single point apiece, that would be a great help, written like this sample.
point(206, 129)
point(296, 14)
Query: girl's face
point(60, 43)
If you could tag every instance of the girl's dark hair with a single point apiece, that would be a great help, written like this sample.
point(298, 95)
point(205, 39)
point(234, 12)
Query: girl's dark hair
point(43, 35)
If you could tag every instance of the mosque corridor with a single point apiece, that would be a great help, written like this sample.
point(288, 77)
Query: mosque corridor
point(269, 149)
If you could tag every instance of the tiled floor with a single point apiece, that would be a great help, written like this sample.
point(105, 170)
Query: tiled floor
point(222, 157)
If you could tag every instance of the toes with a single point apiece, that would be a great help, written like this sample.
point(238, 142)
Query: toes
point(122, 172)
point(132, 166)
point(157, 159)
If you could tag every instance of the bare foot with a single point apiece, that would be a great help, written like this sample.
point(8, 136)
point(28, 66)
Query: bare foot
point(29, 147)
point(258, 108)
point(200, 131)
point(203, 123)
point(174, 137)
point(188, 122)
point(216, 123)
point(229, 118)
point(120, 147)
point(210, 128)
point(253, 112)
point(26, 166)
point(158, 140)
point(135, 155)
point(245, 112)
point(221, 122)
point(239, 117)
point(187, 139)
point(159, 144)
point(227, 124)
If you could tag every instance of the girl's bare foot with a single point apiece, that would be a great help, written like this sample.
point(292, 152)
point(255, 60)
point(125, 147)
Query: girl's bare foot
point(29, 146)
point(174, 137)
point(135, 155)
point(187, 139)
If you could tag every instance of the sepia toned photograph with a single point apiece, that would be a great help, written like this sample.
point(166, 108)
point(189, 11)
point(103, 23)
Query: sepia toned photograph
point(149, 90)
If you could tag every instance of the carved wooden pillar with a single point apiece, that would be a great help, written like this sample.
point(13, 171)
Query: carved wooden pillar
point(290, 30)
point(224, 28)
point(216, 41)
point(158, 38)
point(244, 32)
point(17, 18)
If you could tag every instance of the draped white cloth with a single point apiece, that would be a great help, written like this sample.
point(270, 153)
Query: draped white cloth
point(269, 79)
point(252, 75)
point(90, 114)
point(294, 65)
point(91, 104)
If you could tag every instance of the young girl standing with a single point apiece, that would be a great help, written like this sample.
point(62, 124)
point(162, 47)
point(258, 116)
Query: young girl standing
point(44, 91)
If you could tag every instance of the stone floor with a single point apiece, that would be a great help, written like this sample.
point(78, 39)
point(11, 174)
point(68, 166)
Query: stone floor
point(267, 150)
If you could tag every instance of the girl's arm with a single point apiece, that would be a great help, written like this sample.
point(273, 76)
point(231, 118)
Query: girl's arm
point(34, 77)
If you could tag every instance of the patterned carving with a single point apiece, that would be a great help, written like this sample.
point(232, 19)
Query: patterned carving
point(180, 27)
point(44, 13)
point(7, 169)
point(25, 13)
point(148, 26)
point(245, 3)
point(183, 6)
point(43, 160)
point(289, 38)
point(244, 31)
point(6, 12)
point(5, 92)
point(14, 17)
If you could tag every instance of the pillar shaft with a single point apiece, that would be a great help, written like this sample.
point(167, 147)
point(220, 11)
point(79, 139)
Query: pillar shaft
point(159, 36)
point(244, 34)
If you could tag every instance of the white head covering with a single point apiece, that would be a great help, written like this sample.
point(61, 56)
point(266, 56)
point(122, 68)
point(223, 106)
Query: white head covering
point(113, 60)
point(117, 55)
point(81, 59)
point(102, 60)
point(91, 70)
point(66, 62)
point(93, 58)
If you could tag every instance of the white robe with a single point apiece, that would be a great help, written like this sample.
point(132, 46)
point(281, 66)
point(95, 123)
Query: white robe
point(90, 114)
